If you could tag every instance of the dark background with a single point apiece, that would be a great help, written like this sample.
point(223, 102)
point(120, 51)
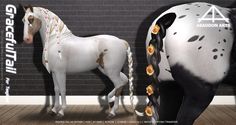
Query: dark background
point(126, 19)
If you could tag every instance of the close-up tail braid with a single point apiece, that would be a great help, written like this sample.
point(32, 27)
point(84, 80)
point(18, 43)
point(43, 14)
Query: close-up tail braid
point(155, 46)
point(153, 50)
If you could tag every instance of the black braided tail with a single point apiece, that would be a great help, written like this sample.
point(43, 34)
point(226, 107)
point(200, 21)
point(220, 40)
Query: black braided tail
point(154, 56)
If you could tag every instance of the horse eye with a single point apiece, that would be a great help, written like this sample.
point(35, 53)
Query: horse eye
point(31, 19)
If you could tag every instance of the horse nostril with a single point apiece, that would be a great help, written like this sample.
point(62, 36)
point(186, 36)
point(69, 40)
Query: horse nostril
point(27, 39)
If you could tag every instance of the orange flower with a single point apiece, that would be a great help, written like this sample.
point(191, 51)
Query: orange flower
point(155, 29)
point(148, 111)
point(149, 90)
point(150, 49)
point(149, 70)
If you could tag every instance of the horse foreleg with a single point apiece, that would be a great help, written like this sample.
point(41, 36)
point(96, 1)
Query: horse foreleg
point(56, 89)
point(61, 80)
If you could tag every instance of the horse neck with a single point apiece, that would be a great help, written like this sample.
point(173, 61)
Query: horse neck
point(43, 30)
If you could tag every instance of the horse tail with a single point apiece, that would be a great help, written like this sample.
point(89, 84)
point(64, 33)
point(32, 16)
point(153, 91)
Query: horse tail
point(155, 46)
point(131, 78)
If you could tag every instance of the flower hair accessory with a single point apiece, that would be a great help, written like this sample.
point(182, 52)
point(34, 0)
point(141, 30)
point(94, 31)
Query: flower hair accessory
point(155, 29)
point(150, 49)
point(149, 90)
point(148, 111)
point(149, 70)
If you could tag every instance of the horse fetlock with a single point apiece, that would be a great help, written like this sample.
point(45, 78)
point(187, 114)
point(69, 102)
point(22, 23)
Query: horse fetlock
point(52, 112)
point(55, 109)
point(112, 112)
point(61, 112)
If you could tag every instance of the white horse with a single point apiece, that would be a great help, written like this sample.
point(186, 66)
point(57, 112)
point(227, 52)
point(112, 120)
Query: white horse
point(196, 57)
point(66, 53)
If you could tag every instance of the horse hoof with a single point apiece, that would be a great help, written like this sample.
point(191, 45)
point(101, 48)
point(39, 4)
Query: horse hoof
point(59, 116)
point(52, 113)
point(110, 116)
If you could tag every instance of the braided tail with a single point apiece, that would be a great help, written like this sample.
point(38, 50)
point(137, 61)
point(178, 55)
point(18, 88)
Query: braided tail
point(131, 78)
point(153, 51)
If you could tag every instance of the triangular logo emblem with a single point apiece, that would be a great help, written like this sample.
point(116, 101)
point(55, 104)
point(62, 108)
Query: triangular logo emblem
point(213, 10)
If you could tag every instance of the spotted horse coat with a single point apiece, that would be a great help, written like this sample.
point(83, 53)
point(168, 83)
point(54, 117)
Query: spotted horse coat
point(197, 58)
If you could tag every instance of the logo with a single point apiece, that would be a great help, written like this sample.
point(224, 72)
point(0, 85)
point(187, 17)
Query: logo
point(212, 17)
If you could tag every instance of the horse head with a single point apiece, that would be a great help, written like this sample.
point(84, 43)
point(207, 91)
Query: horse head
point(32, 24)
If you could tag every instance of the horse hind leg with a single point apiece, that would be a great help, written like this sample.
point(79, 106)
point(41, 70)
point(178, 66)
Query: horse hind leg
point(119, 82)
point(111, 94)
point(197, 95)
point(111, 63)
point(116, 92)
point(192, 107)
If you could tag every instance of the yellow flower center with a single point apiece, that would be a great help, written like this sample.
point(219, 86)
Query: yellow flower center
point(148, 111)
point(150, 49)
point(155, 29)
point(149, 90)
point(149, 70)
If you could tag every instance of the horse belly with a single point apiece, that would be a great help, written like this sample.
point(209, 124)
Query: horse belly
point(81, 59)
point(78, 64)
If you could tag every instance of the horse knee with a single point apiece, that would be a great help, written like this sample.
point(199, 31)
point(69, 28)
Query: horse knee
point(63, 92)
point(56, 89)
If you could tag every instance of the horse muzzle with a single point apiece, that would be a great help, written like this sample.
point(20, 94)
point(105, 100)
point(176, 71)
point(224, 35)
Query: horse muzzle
point(28, 40)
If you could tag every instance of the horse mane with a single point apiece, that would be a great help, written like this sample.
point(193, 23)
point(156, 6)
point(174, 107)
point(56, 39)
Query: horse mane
point(54, 20)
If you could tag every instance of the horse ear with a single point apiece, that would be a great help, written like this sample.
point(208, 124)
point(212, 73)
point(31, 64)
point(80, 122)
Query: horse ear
point(26, 7)
point(31, 8)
